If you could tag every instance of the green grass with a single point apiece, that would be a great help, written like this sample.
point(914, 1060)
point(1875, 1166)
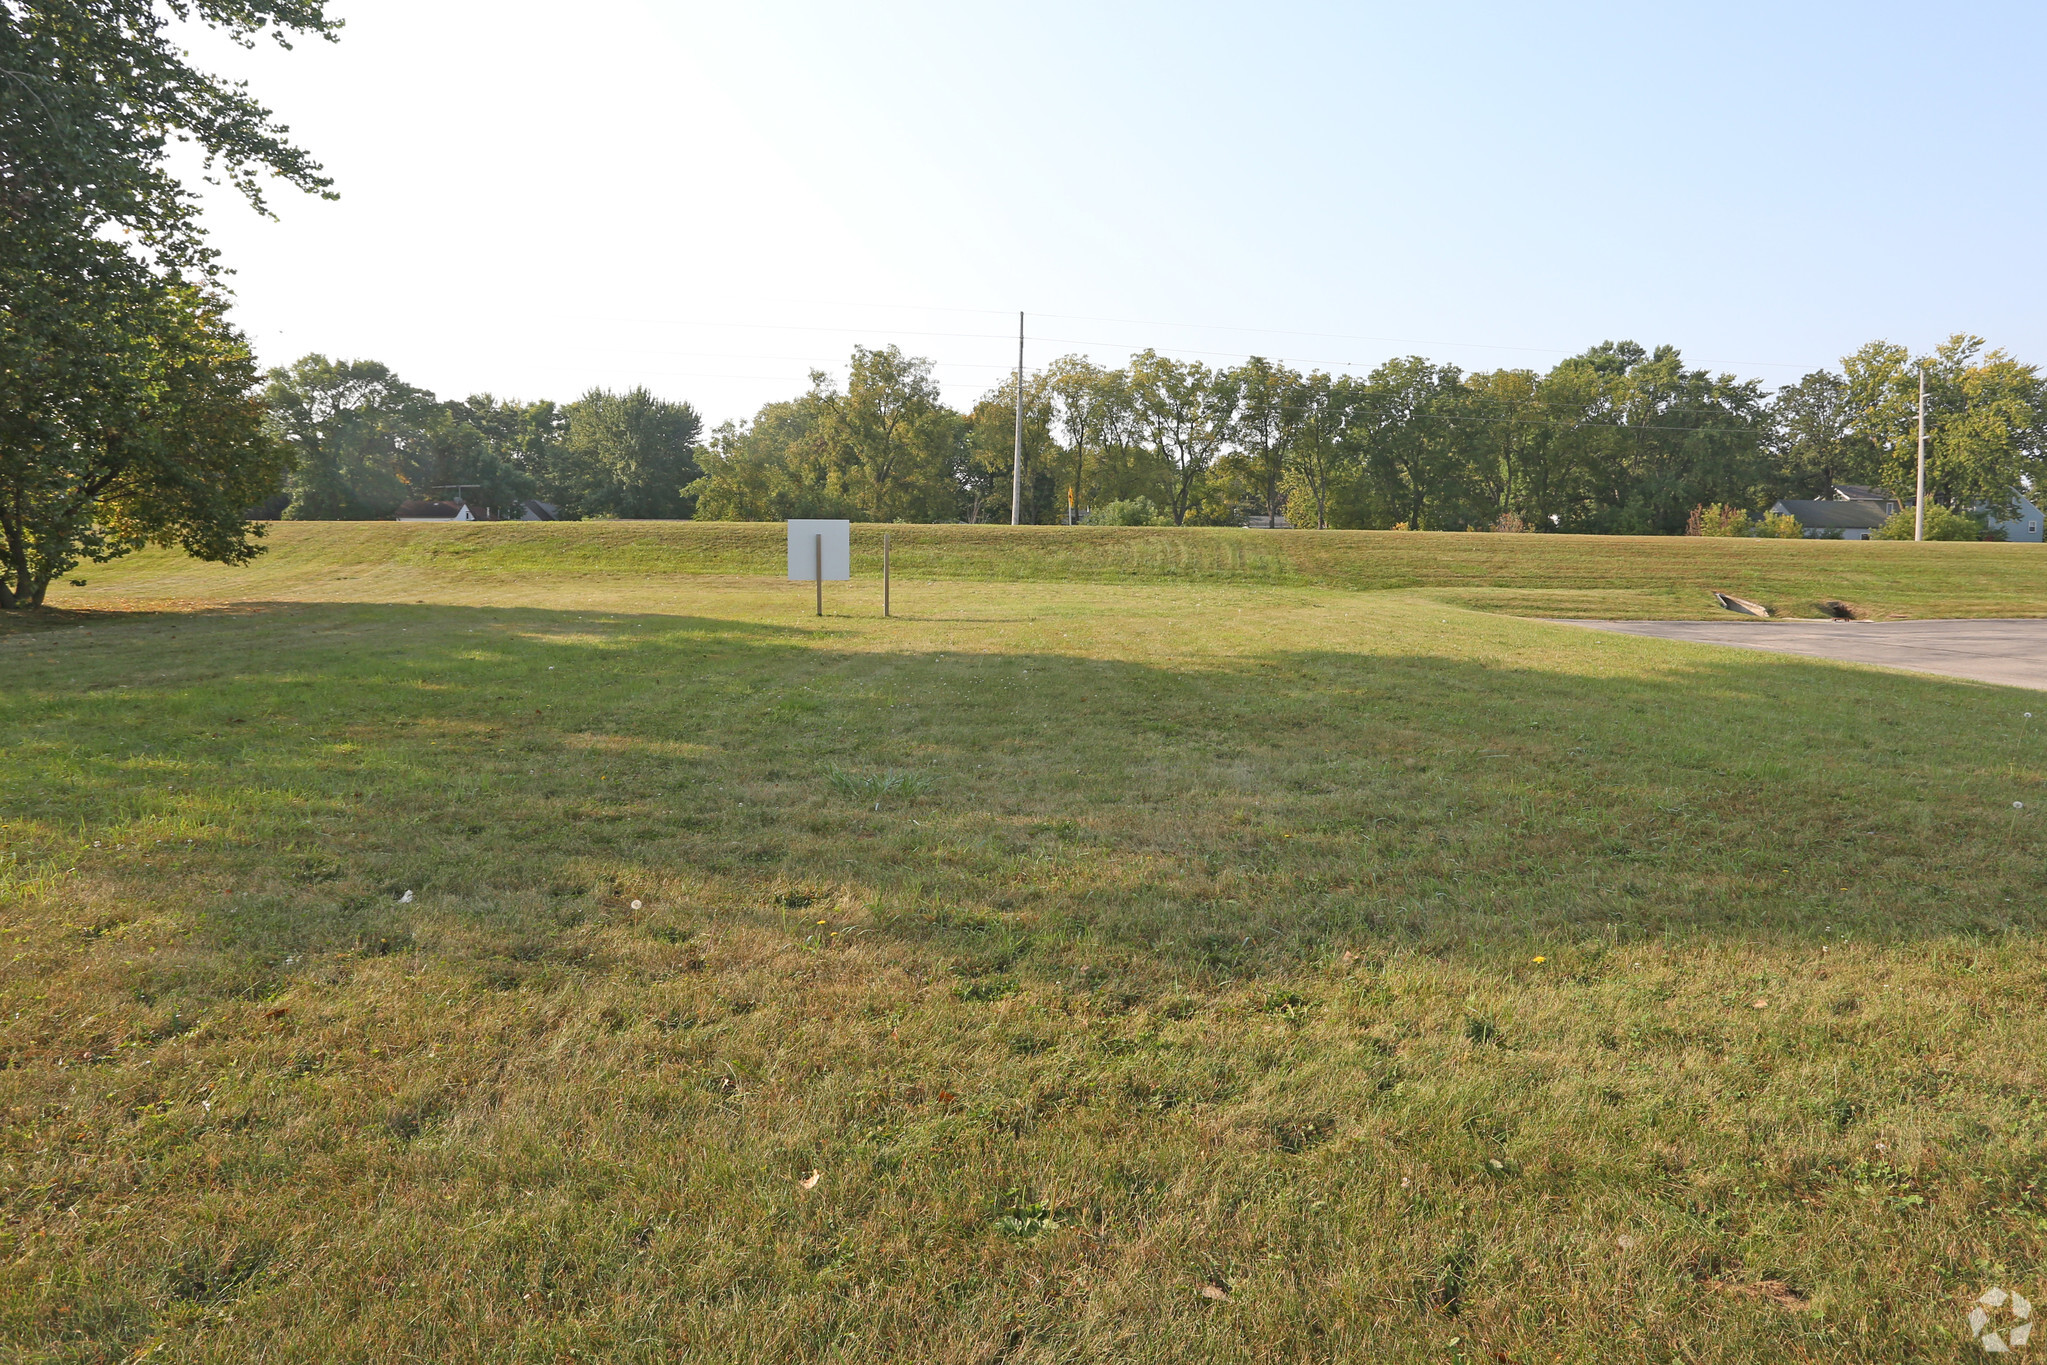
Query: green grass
point(1635, 577)
point(1233, 971)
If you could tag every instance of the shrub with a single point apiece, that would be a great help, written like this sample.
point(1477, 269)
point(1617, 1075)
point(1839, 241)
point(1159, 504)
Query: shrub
point(1718, 520)
point(1942, 523)
point(1780, 526)
point(1138, 511)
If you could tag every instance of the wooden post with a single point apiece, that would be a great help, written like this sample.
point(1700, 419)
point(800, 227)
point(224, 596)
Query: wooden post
point(820, 574)
point(884, 573)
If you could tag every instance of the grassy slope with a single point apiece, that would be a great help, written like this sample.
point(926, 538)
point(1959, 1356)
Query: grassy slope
point(1596, 576)
point(1399, 972)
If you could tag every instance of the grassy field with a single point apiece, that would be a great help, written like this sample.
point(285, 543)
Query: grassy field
point(1623, 577)
point(425, 946)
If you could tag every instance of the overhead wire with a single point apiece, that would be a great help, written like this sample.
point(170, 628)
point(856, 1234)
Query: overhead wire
point(1189, 326)
point(1006, 336)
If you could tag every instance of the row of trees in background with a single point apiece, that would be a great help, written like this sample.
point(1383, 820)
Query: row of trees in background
point(1616, 440)
point(363, 441)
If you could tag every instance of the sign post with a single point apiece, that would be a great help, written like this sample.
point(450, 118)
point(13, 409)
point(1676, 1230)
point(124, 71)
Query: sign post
point(820, 550)
point(884, 573)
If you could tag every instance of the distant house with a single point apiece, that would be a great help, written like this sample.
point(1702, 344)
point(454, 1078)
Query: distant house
point(1279, 523)
point(1855, 492)
point(1847, 518)
point(534, 510)
point(434, 511)
point(2026, 526)
point(1856, 513)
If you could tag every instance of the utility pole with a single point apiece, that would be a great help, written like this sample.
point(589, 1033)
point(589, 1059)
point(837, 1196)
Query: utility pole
point(1919, 507)
point(1016, 469)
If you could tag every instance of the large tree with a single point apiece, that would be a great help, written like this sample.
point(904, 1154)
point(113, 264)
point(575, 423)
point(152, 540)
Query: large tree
point(776, 467)
point(989, 465)
point(1082, 394)
point(1185, 410)
point(630, 455)
point(93, 93)
point(894, 437)
point(1814, 439)
point(1317, 408)
point(358, 433)
point(1650, 439)
point(1413, 448)
point(1986, 420)
point(126, 419)
point(1263, 428)
point(1510, 436)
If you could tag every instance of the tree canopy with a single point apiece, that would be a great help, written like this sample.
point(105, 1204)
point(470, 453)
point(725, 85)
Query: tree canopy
point(1618, 439)
point(365, 441)
point(127, 414)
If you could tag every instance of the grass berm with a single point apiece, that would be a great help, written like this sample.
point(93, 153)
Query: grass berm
point(1148, 946)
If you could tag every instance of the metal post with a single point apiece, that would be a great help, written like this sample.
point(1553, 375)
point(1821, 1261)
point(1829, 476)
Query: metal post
point(820, 575)
point(1016, 469)
point(884, 573)
point(1919, 507)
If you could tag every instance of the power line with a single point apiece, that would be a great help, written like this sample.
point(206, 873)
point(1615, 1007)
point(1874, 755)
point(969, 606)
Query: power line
point(1220, 327)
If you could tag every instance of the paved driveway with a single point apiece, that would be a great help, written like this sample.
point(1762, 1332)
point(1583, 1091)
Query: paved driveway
point(2010, 652)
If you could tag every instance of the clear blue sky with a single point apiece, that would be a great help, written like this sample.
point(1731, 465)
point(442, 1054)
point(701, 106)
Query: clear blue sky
point(712, 198)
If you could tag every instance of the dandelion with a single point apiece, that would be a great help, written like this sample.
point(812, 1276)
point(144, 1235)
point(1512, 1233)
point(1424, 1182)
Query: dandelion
point(1539, 960)
point(636, 905)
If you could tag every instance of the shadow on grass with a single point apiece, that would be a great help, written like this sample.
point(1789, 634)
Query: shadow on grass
point(528, 773)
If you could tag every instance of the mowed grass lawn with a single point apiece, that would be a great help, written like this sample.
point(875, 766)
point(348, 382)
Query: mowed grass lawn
point(1233, 970)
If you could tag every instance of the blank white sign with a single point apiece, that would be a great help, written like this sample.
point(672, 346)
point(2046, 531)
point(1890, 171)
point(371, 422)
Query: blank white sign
point(803, 549)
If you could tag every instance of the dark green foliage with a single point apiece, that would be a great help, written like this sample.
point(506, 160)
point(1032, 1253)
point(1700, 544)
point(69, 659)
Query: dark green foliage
point(887, 449)
point(124, 418)
point(123, 388)
point(95, 92)
point(626, 455)
point(367, 441)
point(1617, 440)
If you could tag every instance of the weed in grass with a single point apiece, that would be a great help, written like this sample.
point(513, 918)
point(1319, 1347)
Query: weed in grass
point(876, 787)
point(1024, 1216)
point(1481, 1031)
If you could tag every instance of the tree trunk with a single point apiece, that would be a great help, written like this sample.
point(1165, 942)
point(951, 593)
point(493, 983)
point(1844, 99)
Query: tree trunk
point(21, 592)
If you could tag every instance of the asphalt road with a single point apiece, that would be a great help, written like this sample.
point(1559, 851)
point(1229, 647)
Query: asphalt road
point(2013, 653)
